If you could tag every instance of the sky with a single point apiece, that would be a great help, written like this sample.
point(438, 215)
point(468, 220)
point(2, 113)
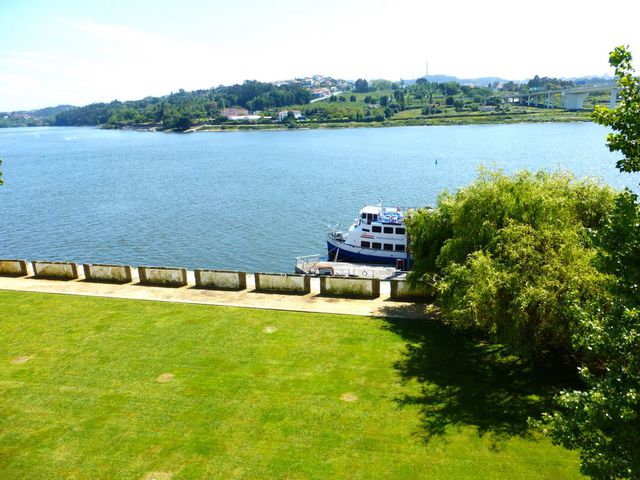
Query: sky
point(78, 52)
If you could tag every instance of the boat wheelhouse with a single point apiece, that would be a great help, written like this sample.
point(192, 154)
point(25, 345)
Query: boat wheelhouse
point(377, 236)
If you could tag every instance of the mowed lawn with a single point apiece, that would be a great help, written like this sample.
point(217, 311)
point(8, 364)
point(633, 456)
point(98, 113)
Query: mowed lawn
point(94, 388)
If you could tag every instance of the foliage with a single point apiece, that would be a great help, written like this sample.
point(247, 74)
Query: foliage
point(512, 255)
point(381, 84)
point(31, 118)
point(619, 240)
point(183, 109)
point(548, 83)
point(361, 86)
point(625, 119)
point(602, 420)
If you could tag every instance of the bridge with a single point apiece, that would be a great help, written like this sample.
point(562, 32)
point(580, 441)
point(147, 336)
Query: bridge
point(573, 98)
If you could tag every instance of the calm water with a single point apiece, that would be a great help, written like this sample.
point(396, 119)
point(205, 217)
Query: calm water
point(252, 200)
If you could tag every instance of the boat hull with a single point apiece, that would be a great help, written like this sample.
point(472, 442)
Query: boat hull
point(349, 254)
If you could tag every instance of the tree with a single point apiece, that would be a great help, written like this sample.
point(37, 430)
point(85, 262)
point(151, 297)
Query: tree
point(511, 256)
point(384, 100)
point(625, 119)
point(182, 123)
point(352, 98)
point(602, 419)
point(361, 86)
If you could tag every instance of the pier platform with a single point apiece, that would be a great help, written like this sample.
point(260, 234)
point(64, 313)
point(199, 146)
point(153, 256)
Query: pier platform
point(317, 265)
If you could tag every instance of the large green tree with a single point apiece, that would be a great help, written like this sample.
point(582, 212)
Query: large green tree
point(511, 256)
point(602, 420)
point(361, 86)
point(625, 119)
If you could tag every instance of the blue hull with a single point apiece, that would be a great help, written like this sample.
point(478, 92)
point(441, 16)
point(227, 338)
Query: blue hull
point(360, 257)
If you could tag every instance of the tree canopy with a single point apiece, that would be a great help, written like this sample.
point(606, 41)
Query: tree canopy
point(361, 86)
point(511, 256)
point(183, 109)
point(602, 420)
point(625, 119)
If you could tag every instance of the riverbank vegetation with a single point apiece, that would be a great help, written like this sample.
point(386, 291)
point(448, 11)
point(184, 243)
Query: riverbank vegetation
point(259, 105)
point(108, 388)
point(549, 267)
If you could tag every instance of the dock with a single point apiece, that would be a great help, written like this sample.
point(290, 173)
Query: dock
point(318, 265)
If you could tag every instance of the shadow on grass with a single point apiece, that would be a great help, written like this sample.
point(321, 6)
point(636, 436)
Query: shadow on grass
point(464, 381)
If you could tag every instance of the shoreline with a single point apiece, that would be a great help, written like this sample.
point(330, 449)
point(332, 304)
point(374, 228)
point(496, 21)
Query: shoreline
point(449, 120)
point(444, 122)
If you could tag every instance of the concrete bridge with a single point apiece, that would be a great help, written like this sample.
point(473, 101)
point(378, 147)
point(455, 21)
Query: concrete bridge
point(572, 98)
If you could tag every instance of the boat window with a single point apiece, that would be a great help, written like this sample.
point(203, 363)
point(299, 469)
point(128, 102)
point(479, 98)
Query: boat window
point(399, 248)
point(364, 215)
point(388, 246)
point(365, 244)
point(400, 231)
point(368, 218)
point(376, 245)
point(375, 216)
point(377, 229)
point(365, 230)
point(388, 229)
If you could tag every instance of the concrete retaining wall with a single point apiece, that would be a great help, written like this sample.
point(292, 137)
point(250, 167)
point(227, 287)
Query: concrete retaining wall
point(220, 279)
point(350, 287)
point(55, 270)
point(95, 272)
point(400, 290)
point(283, 283)
point(13, 268)
point(163, 276)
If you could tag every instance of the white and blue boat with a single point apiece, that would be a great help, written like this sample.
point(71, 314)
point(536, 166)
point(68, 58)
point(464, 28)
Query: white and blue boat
point(377, 236)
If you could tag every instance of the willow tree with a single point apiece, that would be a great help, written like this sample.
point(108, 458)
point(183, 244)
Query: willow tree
point(512, 256)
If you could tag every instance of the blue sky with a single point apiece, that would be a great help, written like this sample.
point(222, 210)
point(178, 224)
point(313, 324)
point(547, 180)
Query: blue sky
point(78, 52)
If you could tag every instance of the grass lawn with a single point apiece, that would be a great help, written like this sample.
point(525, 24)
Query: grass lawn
point(95, 388)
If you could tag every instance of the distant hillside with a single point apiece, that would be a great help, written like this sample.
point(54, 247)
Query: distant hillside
point(32, 118)
point(480, 81)
point(219, 105)
point(182, 110)
point(51, 111)
point(604, 80)
point(486, 81)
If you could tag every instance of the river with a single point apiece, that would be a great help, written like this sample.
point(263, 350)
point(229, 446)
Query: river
point(250, 201)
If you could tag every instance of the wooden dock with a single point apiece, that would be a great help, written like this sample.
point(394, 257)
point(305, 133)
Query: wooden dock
point(317, 265)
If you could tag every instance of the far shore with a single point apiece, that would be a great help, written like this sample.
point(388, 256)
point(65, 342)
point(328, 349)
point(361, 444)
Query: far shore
point(497, 118)
point(544, 116)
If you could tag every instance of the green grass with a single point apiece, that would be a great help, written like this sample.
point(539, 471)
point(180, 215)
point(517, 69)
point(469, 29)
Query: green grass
point(248, 404)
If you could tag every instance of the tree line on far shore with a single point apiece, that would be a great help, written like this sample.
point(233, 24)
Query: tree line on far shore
point(182, 109)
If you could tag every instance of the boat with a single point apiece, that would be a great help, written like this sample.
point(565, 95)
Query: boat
point(377, 236)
